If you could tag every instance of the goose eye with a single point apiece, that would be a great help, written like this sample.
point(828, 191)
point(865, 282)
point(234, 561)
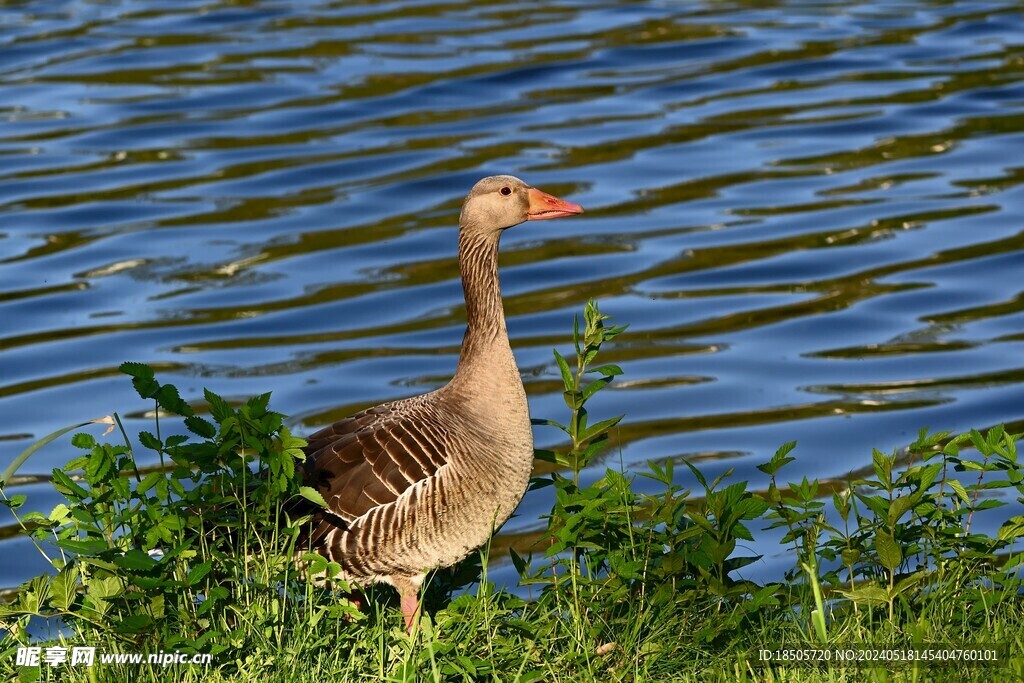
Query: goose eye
point(506, 191)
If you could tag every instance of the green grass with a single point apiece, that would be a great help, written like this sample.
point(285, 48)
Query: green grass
point(625, 586)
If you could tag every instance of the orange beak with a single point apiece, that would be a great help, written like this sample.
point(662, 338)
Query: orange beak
point(543, 206)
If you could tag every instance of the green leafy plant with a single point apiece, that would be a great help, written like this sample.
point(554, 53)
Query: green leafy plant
point(196, 554)
point(146, 556)
point(615, 550)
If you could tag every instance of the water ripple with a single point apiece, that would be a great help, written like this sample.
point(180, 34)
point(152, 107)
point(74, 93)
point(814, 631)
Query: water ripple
point(811, 215)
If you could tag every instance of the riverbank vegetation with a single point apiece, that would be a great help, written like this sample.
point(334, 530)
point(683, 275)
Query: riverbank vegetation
point(636, 576)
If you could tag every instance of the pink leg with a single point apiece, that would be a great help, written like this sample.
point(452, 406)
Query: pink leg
point(410, 606)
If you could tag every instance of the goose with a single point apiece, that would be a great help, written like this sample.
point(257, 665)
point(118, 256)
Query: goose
point(419, 483)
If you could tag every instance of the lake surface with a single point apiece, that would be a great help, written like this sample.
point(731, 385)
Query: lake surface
point(811, 215)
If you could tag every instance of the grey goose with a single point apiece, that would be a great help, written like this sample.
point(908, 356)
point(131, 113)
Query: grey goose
point(419, 483)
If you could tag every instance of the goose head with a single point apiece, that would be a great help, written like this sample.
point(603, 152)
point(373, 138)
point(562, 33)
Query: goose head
point(502, 201)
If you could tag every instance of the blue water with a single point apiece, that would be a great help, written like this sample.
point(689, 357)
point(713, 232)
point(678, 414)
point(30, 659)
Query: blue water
point(809, 213)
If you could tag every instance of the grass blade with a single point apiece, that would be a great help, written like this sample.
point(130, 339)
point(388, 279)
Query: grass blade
point(27, 453)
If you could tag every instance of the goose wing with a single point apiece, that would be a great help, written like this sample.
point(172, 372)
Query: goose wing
point(371, 458)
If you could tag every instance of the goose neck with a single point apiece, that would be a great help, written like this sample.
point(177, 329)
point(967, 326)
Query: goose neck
point(485, 328)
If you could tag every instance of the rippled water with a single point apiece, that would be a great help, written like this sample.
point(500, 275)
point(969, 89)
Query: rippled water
point(810, 213)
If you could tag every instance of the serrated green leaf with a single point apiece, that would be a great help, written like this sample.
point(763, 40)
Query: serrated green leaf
point(200, 427)
point(219, 408)
point(15, 501)
point(64, 588)
point(135, 559)
point(751, 508)
point(97, 465)
point(149, 481)
point(84, 441)
point(779, 460)
point(258, 405)
point(959, 489)
point(59, 513)
point(90, 546)
point(882, 466)
point(198, 572)
point(928, 475)
point(889, 552)
point(136, 370)
point(170, 400)
point(877, 504)
point(741, 532)
point(315, 563)
point(150, 441)
point(1011, 529)
point(66, 485)
point(145, 388)
point(312, 495)
point(899, 507)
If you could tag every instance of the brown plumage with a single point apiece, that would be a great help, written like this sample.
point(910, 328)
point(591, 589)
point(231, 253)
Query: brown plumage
point(419, 483)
